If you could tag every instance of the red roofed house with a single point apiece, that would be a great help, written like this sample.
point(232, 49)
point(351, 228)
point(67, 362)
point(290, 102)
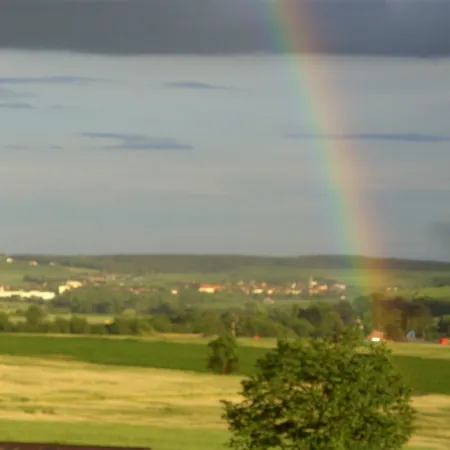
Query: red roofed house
point(210, 288)
point(376, 336)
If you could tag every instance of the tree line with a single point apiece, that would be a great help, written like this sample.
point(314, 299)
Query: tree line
point(318, 320)
point(396, 317)
point(144, 264)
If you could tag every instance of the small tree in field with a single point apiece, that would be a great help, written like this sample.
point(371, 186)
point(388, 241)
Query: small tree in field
point(223, 357)
point(323, 395)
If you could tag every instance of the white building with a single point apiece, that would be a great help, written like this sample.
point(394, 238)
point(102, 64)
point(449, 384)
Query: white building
point(71, 284)
point(44, 295)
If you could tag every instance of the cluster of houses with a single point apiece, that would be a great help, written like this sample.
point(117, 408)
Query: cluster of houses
point(7, 292)
point(312, 287)
point(252, 288)
point(32, 262)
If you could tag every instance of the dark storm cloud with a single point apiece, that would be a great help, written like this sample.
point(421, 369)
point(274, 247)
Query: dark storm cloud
point(410, 27)
point(396, 137)
point(126, 141)
point(16, 105)
point(193, 85)
point(47, 80)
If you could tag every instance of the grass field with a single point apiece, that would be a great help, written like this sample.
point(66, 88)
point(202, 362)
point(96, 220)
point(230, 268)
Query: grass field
point(415, 361)
point(12, 274)
point(48, 400)
point(432, 292)
point(137, 352)
point(91, 318)
point(10, 306)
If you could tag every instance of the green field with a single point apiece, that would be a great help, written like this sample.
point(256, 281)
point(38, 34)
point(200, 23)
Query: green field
point(164, 438)
point(14, 273)
point(91, 318)
point(361, 274)
point(191, 356)
point(432, 292)
point(122, 352)
point(47, 398)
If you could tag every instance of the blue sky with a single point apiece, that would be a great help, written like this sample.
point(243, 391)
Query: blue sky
point(213, 154)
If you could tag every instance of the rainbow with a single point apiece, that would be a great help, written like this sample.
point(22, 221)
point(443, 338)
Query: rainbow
point(337, 161)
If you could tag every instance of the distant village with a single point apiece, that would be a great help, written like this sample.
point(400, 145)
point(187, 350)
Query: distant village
point(264, 290)
point(253, 288)
point(250, 288)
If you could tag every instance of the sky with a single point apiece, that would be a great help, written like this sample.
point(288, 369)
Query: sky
point(395, 27)
point(131, 151)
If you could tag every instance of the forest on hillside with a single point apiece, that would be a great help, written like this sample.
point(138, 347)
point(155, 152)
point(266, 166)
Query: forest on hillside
point(154, 263)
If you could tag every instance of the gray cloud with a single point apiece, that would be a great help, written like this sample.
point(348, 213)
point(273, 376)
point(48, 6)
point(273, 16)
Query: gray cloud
point(193, 85)
point(137, 142)
point(440, 231)
point(395, 137)
point(390, 27)
point(16, 105)
point(62, 107)
point(25, 147)
point(6, 93)
point(16, 147)
point(48, 80)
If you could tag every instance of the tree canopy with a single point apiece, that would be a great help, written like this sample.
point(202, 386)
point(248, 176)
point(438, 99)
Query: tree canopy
point(223, 358)
point(323, 394)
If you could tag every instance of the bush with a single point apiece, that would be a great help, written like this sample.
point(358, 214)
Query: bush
point(98, 328)
point(223, 358)
point(78, 325)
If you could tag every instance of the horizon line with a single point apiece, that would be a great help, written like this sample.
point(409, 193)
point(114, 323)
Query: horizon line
point(240, 255)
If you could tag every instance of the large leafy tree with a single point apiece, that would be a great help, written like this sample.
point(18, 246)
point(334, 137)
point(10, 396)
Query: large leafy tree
point(223, 357)
point(324, 394)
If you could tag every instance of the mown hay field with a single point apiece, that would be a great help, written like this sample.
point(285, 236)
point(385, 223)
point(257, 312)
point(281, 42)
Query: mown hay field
point(49, 401)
